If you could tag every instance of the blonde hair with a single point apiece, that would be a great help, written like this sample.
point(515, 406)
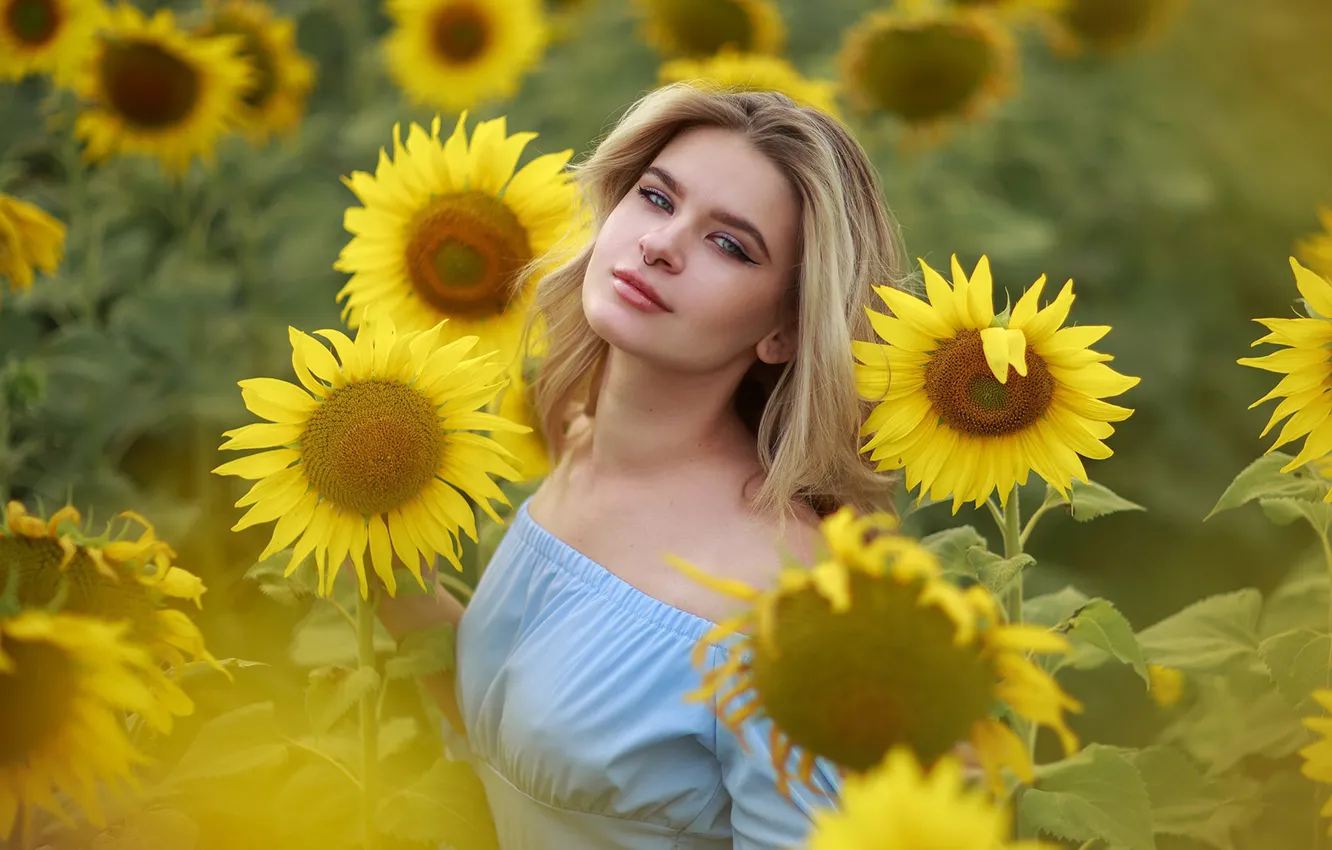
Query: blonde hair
point(805, 414)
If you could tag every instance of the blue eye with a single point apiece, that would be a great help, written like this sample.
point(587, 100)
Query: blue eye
point(731, 247)
point(657, 199)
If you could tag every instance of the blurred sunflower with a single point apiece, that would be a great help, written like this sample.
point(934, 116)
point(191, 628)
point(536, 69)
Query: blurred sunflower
point(1166, 685)
point(455, 54)
point(515, 404)
point(700, 28)
point(110, 578)
point(374, 451)
point(1316, 250)
point(65, 682)
point(156, 91)
point(47, 37)
point(565, 17)
point(1109, 25)
point(274, 100)
point(752, 71)
point(896, 806)
point(30, 239)
point(448, 229)
point(971, 403)
point(1014, 9)
point(927, 63)
point(1306, 389)
point(930, 659)
point(1318, 755)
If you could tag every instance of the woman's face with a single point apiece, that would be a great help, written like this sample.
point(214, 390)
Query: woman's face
point(710, 229)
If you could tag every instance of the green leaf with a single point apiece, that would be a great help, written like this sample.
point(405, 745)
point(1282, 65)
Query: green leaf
point(1263, 479)
point(325, 639)
point(1299, 601)
point(247, 739)
point(950, 547)
point(1287, 511)
point(395, 734)
point(1208, 635)
point(1094, 794)
point(1094, 500)
point(290, 591)
point(995, 572)
point(1300, 662)
point(422, 653)
point(158, 829)
point(1100, 624)
point(1053, 609)
point(1186, 803)
point(317, 800)
point(1235, 716)
point(445, 806)
point(332, 691)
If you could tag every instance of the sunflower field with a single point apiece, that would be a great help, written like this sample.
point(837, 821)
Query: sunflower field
point(264, 271)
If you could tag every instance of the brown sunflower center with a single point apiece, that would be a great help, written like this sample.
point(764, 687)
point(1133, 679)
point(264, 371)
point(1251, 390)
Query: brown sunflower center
point(925, 71)
point(33, 22)
point(1111, 22)
point(971, 400)
point(702, 27)
point(465, 253)
point(255, 50)
point(460, 33)
point(88, 591)
point(148, 85)
point(38, 696)
point(372, 446)
point(849, 686)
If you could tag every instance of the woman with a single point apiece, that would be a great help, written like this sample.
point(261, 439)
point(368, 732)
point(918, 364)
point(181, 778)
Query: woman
point(698, 397)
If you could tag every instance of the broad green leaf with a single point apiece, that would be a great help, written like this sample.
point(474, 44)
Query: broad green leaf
point(1285, 820)
point(287, 590)
point(395, 734)
point(317, 800)
point(325, 639)
point(1299, 601)
point(950, 547)
point(1100, 624)
point(332, 691)
point(445, 806)
point(423, 653)
point(1300, 662)
point(154, 829)
point(995, 572)
point(1208, 635)
point(1187, 803)
point(1094, 500)
point(1285, 510)
point(1263, 479)
point(1052, 609)
point(1235, 716)
point(1094, 794)
point(240, 741)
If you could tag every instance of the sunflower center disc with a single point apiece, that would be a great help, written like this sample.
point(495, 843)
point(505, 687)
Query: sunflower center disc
point(1110, 21)
point(465, 253)
point(460, 34)
point(37, 695)
point(927, 71)
point(372, 446)
point(34, 22)
point(702, 27)
point(89, 592)
point(148, 85)
point(254, 50)
point(849, 686)
point(969, 399)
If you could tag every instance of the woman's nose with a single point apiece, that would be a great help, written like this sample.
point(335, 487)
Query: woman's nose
point(661, 248)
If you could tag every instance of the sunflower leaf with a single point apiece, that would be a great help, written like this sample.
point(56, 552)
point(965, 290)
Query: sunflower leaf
point(422, 653)
point(1263, 479)
point(950, 548)
point(239, 742)
point(447, 805)
point(1285, 510)
point(318, 801)
point(332, 692)
point(1207, 636)
point(1094, 794)
point(1090, 501)
point(1300, 661)
point(160, 829)
point(1101, 625)
point(1053, 609)
point(1187, 803)
point(1235, 716)
point(996, 572)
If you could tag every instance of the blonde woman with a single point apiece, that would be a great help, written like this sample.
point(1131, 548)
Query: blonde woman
point(698, 398)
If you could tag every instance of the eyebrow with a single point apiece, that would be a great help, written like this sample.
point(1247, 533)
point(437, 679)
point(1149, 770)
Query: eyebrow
point(738, 222)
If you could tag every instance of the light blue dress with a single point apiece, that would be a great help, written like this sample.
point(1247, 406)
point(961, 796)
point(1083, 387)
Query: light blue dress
point(571, 683)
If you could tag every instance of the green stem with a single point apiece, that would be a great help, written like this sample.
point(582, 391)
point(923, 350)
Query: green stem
point(1319, 797)
point(1012, 531)
point(354, 30)
point(365, 644)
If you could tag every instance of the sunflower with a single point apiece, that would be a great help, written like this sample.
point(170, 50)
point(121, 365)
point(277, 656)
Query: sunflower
point(564, 17)
point(47, 36)
point(1318, 755)
point(1167, 685)
point(1109, 26)
point(156, 91)
point(753, 71)
point(1316, 250)
point(275, 99)
point(374, 451)
point(701, 28)
point(455, 54)
point(29, 240)
point(1306, 389)
point(110, 577)
point(515, 404)
point(448, 229)
point(929, 659)
point(65, 682)
point(927, 63)
point(897, 806)
point(1014, 9)
point(971, 403)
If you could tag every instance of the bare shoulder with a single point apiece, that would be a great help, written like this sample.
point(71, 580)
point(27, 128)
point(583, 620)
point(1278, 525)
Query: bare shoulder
point(767, 543)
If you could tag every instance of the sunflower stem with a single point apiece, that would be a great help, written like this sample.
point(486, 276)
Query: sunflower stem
point(1012, 531)
point(365, 645)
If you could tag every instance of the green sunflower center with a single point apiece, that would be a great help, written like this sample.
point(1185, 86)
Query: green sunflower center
point(970, 400)
point(88, 591)
point(460, 33)
point(465, 253)
point(702, 27)
point(38, 696)
point(147, 85)
point(372, 446)
point(849, 686)
point(1111, 22)
point(926, 71)
point(255, 50)
point(32, 22)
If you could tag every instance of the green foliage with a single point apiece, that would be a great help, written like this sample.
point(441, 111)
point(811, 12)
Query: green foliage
point(1092, 500)
point(334, 690)
point(1207, 636)
point(1189, 804)
point(447, 805)
point(1264, 482)
point(1099, 624)
point(1097, 793)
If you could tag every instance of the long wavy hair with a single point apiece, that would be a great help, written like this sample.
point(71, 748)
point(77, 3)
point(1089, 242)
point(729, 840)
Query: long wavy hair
point(805, 414)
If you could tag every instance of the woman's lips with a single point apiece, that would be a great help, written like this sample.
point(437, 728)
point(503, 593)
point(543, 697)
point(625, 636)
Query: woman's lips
point(634, 291)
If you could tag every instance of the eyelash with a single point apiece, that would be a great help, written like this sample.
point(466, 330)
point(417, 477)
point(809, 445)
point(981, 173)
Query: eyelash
point(652, 196)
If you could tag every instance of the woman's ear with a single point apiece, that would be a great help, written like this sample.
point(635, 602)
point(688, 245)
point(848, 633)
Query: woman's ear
point(778, 346)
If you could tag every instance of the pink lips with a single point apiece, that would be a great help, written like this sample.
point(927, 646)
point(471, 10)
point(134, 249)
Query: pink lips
point(637, 292)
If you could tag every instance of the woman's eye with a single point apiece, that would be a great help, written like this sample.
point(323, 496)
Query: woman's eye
point(733, 248)
point(657, 199)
